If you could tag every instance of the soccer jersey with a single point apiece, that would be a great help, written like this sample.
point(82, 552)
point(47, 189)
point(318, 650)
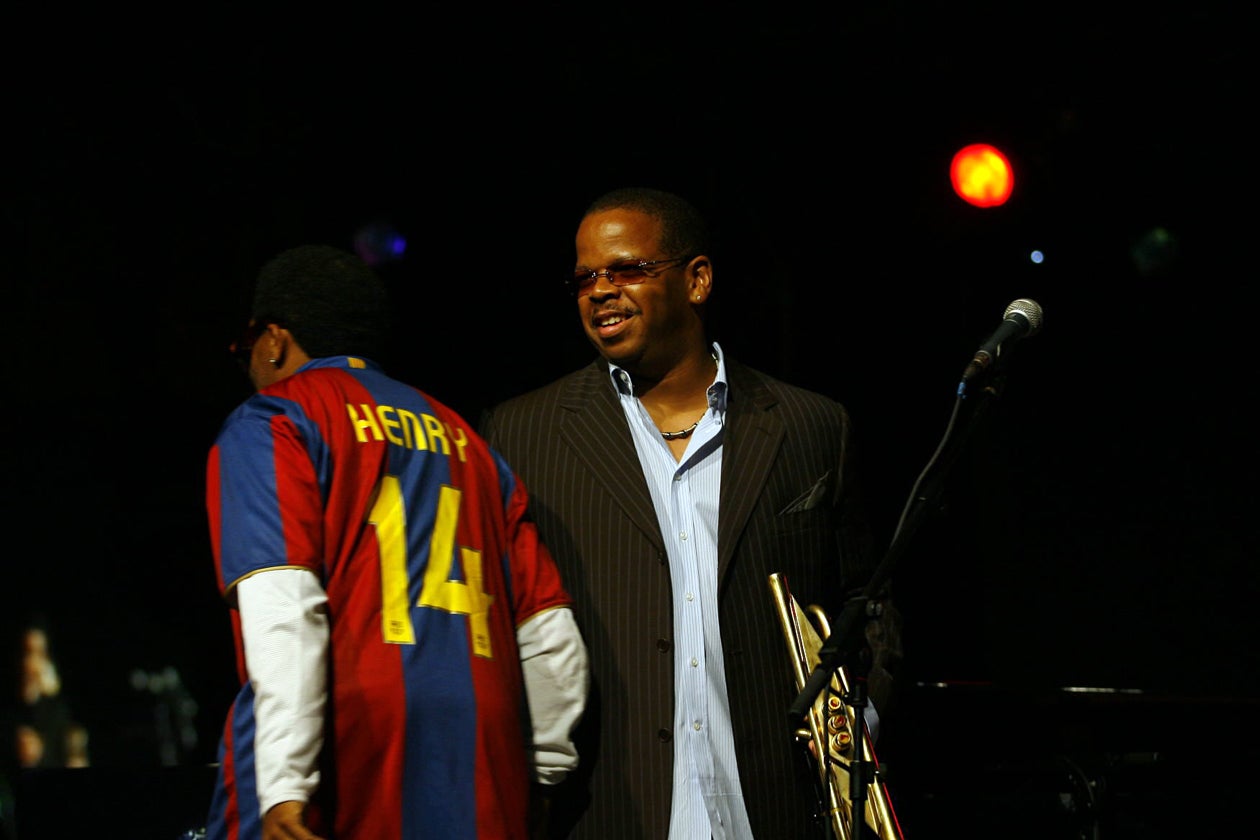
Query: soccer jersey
point(417, 531)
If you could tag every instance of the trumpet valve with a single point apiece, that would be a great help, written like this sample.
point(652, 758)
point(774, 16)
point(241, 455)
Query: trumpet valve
point(838, 724)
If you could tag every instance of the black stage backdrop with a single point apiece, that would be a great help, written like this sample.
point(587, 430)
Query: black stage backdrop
point(1095, 530)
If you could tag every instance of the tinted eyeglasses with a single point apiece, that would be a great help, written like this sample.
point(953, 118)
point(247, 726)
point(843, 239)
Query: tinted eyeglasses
point(626, 273)
point(243, 347)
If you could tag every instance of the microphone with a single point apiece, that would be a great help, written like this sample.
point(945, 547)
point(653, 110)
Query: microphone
point(1022, 318)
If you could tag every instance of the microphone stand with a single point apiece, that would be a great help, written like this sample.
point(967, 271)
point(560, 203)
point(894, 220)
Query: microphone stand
point(844, 645)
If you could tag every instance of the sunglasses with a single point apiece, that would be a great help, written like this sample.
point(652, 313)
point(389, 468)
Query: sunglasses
point(619, 274)
point(243, 347)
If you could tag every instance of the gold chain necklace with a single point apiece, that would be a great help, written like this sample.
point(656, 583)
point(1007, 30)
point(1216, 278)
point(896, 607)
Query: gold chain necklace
point(682, 433)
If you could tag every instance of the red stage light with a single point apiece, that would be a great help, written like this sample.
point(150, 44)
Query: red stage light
point(982, 175)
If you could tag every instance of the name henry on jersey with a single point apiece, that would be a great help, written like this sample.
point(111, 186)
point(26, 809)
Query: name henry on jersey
point(404, 428)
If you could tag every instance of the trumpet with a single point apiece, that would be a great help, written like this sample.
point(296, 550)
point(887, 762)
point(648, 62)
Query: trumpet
point(831, 726)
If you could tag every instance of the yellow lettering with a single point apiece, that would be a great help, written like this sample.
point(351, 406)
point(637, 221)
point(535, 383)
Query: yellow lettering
point(390, 518)
point(412, 434)
point(461, 440)
point(439, 589)
point(436, 432)
point(366, 422)
point(479, 602)
point(386, 414)
point(404, 428)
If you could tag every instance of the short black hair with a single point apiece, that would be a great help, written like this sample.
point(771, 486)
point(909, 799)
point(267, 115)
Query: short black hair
point(329, 299)
point(684, 231)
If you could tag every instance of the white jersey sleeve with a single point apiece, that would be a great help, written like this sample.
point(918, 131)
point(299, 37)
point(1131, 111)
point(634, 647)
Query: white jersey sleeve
point(284, 624)
point(554, 661)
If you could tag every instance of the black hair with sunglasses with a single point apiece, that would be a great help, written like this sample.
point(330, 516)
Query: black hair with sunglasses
point(329, 299)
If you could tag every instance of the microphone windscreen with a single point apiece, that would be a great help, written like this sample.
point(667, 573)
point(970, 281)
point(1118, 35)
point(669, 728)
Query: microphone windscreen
point(1030, 309)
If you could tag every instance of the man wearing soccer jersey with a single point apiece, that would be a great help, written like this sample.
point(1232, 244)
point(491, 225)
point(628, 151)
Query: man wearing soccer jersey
point(408, 658)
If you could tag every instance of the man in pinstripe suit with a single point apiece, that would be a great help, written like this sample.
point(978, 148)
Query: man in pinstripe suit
point(669, 482)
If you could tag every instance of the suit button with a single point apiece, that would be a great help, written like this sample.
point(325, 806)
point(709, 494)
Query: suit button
point(663, 645)
point(665, 735)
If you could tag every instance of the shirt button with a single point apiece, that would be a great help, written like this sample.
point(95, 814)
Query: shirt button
point(682, 535)
point(690, 597)
point(694, 662)
point(696, 726)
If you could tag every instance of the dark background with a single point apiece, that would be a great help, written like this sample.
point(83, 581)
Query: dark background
point(1095, 530)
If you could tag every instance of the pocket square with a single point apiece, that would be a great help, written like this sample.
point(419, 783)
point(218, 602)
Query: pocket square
point(810, 498)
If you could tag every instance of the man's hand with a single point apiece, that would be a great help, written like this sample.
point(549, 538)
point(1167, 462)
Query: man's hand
point(284, 822)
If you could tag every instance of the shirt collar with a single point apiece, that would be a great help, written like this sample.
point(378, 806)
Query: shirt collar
point(623, 383)
point(354, 362)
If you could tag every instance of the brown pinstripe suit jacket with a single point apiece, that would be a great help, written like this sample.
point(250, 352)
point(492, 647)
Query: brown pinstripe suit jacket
point(784, 449)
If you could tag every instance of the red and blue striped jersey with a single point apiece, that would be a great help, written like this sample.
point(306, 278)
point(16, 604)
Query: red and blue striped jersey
point(417, 531)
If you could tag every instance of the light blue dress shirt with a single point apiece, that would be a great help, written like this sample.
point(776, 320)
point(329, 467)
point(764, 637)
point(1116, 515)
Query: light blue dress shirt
point(708, 800)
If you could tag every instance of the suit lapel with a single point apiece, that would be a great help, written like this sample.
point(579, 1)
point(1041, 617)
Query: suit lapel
point(594, 425)
point(752, 437)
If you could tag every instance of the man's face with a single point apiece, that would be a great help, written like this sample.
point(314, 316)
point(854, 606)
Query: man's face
point(646, 323)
